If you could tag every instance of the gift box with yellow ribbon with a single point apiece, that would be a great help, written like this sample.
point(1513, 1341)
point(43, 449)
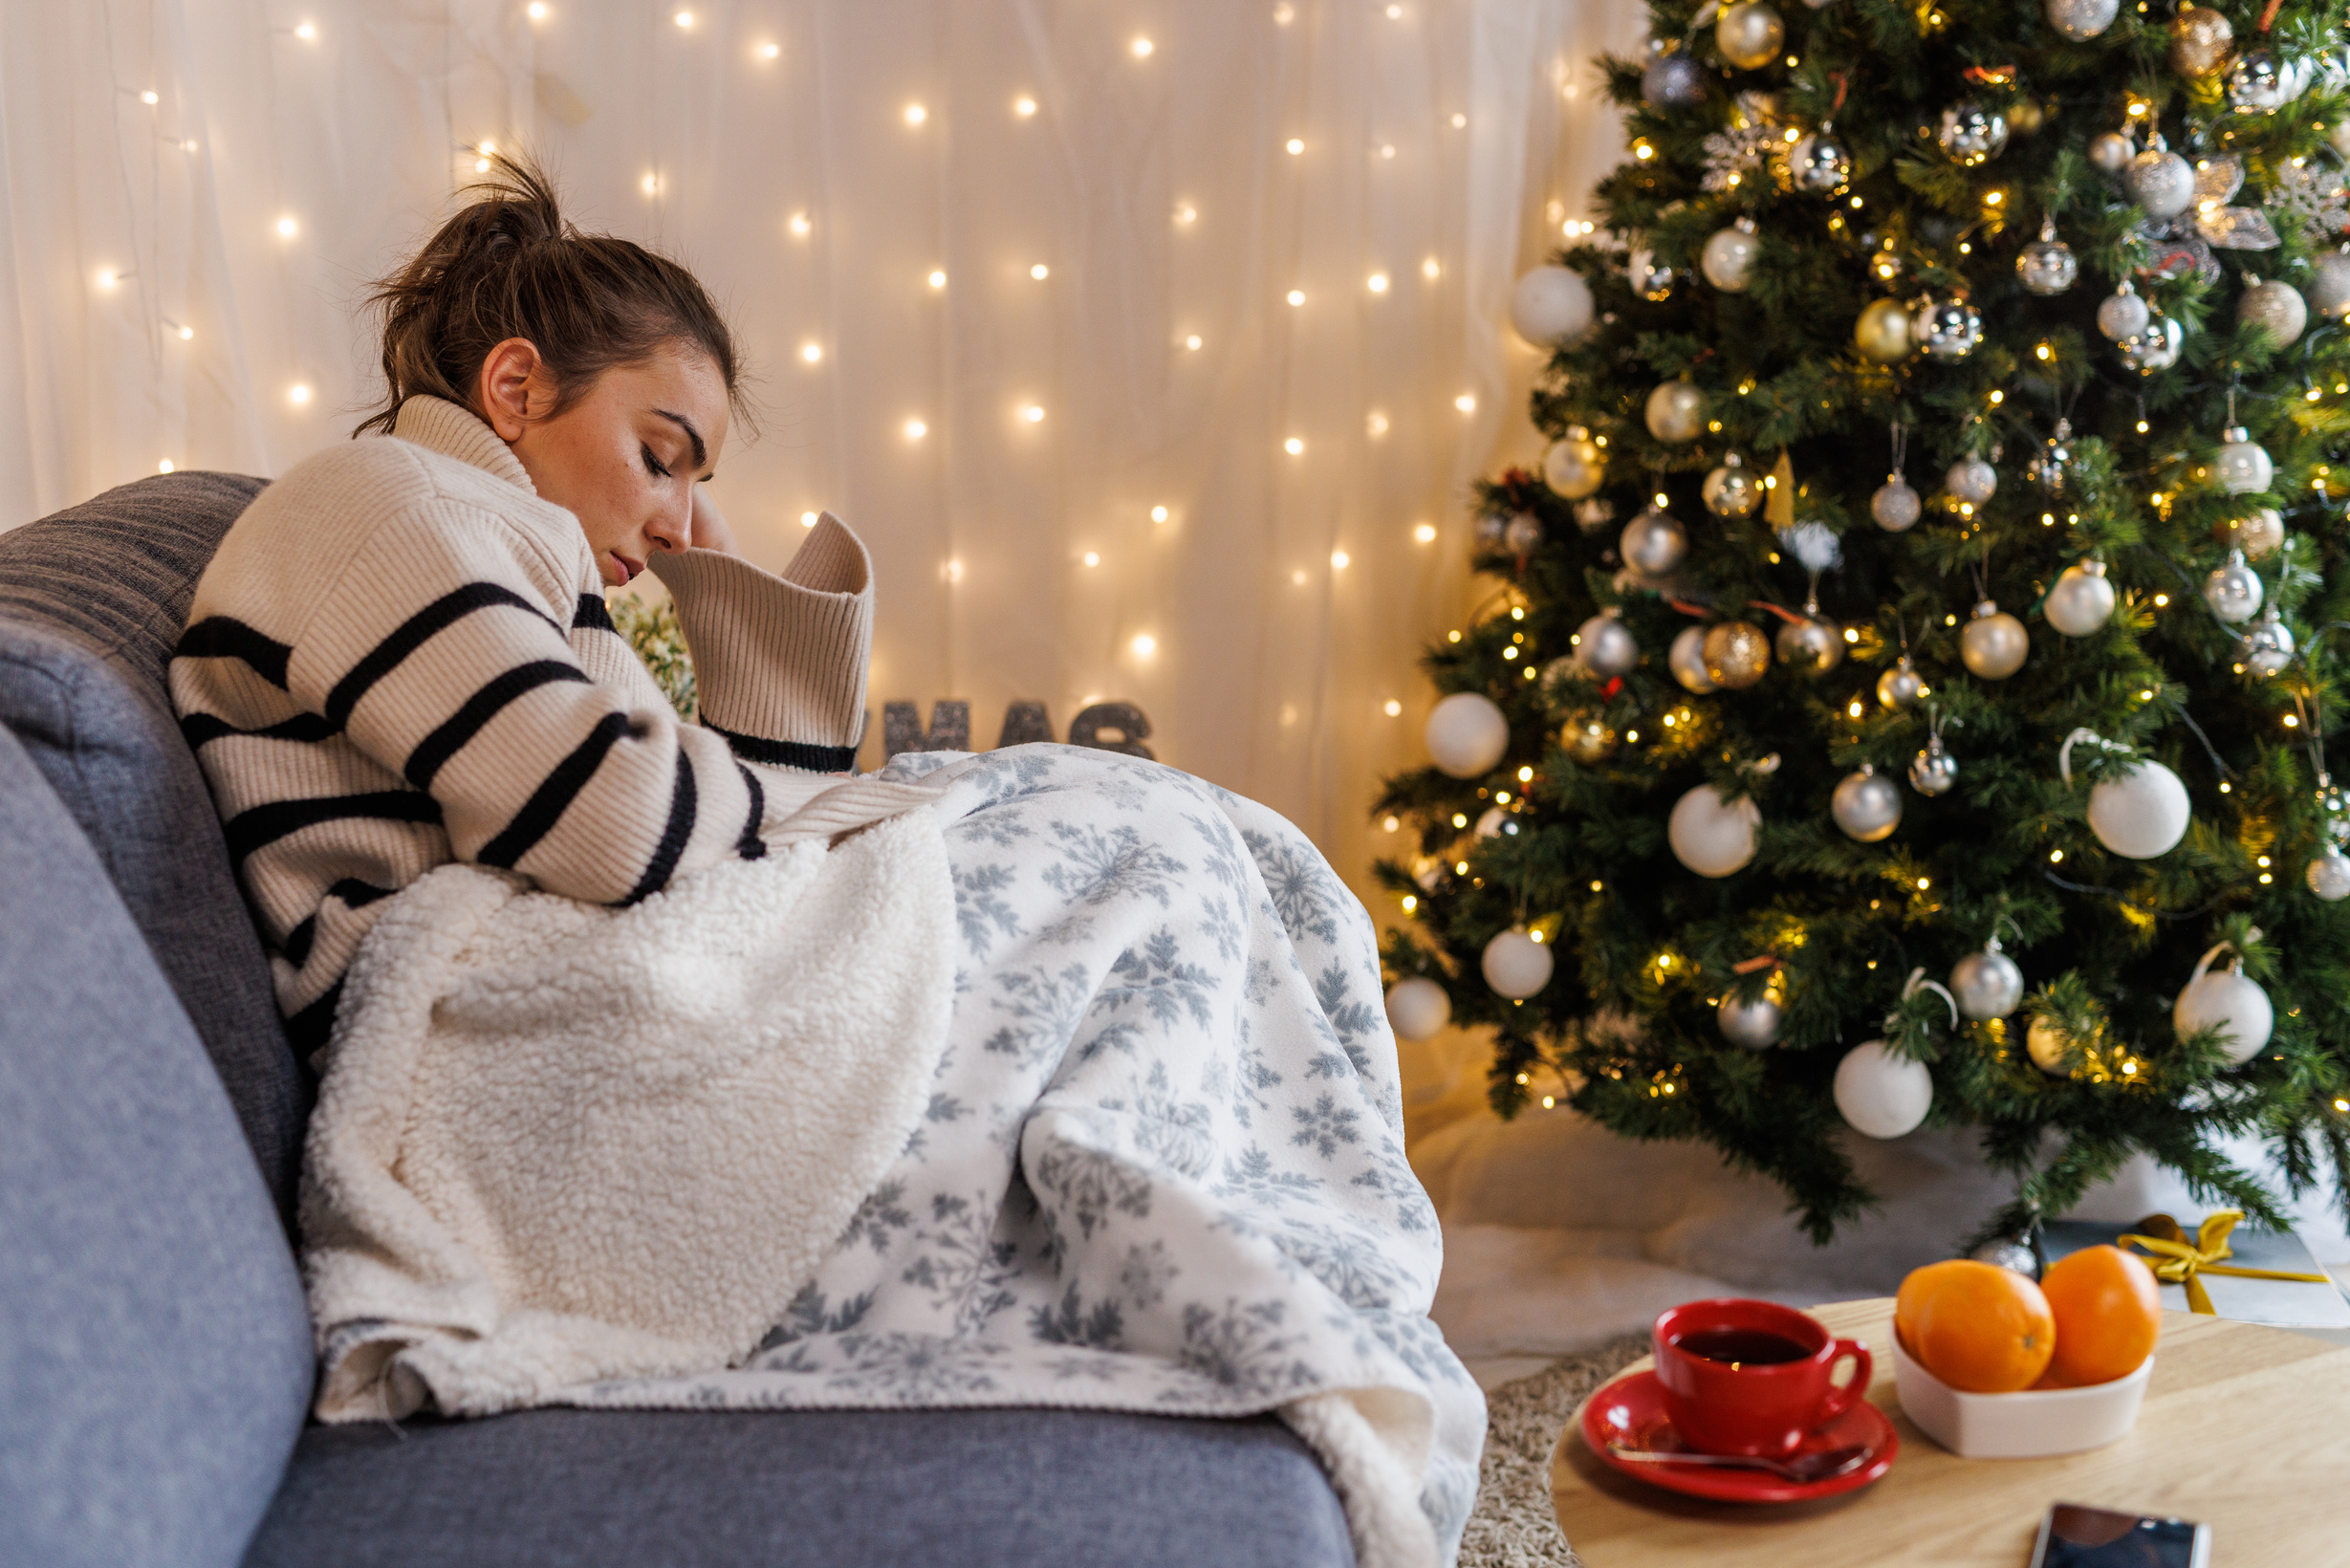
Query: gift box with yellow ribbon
point(2253, 1276)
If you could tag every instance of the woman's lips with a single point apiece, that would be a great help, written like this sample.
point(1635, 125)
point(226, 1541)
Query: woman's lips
point(629, 567)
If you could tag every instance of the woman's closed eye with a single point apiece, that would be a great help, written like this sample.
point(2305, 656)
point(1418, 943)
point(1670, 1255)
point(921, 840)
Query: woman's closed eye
point(654, 464)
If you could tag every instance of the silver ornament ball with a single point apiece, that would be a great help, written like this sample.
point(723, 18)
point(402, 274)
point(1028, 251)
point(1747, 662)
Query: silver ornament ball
point(1524, 534)
point(2242, 467)
point(1594, 513)
point(1934, 770)
point(1896, 507)
point(1733, 490)
point(1605, 647)
point(1671, 80)
point(2052, 462)
point(1488, 528)
point(1819, 164)
point(1652, 281)
point(1654, 542)
point(1971, 480)
point(1753, 1025)
point(2161, 181)
point(1901, 685)
point(2082, 601)
point(2111, 152)
point(2275, 307)
point(1973, 133)
point(1810, 647)
point(2233, 590)
point(1676, 412)
point(1946, 328)
point(2081, 20)
point(2122, 313)
point(2268, 647)
point(2047, 266)
point(2328, 289)
point(2012, 1252)
point(2328, 874)
point(1728, 260)
point(1574, 465)
point(2258, 83)
point(1986, 983)
point(1688, 660)
point(2156, 348)
point(1866, 806)
point(1993, 644)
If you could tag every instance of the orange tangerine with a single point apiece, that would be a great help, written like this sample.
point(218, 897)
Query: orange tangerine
point(1976, 1326)
point(2108, 1312)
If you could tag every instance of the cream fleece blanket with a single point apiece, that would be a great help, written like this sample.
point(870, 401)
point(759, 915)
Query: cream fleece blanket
point(557, 1142)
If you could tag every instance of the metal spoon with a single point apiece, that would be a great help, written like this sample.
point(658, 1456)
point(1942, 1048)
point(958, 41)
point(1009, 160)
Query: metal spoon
point(1803, 1469)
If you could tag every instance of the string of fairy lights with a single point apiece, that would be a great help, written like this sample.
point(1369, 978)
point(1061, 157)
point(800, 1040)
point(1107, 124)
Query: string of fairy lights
point(1299, 149)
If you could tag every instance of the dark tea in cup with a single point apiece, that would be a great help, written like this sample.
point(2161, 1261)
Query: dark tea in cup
point(1743, 1376)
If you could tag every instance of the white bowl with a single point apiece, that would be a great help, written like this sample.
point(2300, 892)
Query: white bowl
point(2027, 1425)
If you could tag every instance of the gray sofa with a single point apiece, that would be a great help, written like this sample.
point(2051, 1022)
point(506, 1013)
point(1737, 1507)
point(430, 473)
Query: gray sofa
point(155, 1354)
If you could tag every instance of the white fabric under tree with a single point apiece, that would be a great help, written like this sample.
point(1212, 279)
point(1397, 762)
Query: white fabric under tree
point(1155, 188)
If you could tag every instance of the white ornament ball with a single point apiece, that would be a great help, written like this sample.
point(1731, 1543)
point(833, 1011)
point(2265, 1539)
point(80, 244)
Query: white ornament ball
point(1986, 983)
point(1549, 306)
point(1676, 412)
point(1688, 660)
point(1654, 542)
point(2328, 289)
point(1882, 1094)
point(2242, 467)
point(1896, 507)
point(2123, 313)
point(1514, 964)
point(1993, 644)
point(1753, 1025)
point(1576, 465)
point(1972, 479)
point(1866, 806)
point(2082, 600)
point(1490, 824)
point(2111, 152)
point(2050, 1047)
point(2275, 308)
point(1466, 734)
point(2233, 590)
point(1605, 647)
point(1710, 836)
point(2328, 874)
point(2227, 1001)
point(1418, 1010)
point(1729, 257)
point(2142, 814)
point(2161, 181)
point(2081, 20)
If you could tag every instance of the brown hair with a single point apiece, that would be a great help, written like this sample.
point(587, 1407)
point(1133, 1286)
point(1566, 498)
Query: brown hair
point(509, 265)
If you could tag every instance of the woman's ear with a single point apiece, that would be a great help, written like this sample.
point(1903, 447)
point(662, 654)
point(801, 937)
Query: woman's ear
point(512, 386)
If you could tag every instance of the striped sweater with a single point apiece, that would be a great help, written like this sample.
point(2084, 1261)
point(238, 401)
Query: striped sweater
point(400, 657)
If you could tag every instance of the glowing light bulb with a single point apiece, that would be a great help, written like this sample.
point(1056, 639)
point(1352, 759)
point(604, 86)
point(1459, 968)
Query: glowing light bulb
point(954, 571)
point(1375, 423)
point(800, 224)
point(1040, 271)
point(938, 279)
point(916, 429)
point(164, 466)
point(1299, 577)
point(1092, 558)
point(1466, 402)
point(307, 32)
point(1387, 149)
point(1460, 121)
point(536, 11)
point(1395, 14)
point(1285, 13)
point(1296, 147)
point(813, 353)
point(1186, 213)
point(187, 333)
point(150, 98)
point(1024, 106)
point(287, 226)
point(1293, 447)
point(770, 51)
point(1144, 645)
point(1142, 49)
point(1192, 342)
point(1377, 283)
point(481, 166)
point(1296, 296)
point(650, 184)
point(684, 18)
point(1393, 708)
point(188, 145)
point(108, 277)
point(299, 394)
point(916, 114)
point(1431, 269)
point(1425, 534)
point(1157, 514)
point(807, 519)
point(1033, 414)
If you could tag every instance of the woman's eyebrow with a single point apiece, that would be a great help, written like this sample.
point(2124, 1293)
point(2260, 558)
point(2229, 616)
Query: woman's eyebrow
point(701, 452)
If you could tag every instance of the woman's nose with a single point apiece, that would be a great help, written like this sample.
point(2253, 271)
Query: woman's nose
point(672, 528)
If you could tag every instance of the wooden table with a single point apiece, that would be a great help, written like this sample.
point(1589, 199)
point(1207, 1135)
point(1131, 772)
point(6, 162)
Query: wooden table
point(2245, 1429)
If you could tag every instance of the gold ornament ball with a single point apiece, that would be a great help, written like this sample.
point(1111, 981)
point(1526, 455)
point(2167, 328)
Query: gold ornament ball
point(1882, 331)
point(2049, 1046)
point(1994, 642)
point(1575, 466)
point(2256, 535)
point(1588, 738)
point(1736, 655)
point(1676, 411)
point(2200, 41)
point(1810, 647)
point(1749, 35)
point(1901, 685)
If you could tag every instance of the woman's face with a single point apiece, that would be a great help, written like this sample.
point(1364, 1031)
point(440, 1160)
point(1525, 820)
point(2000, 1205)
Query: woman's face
point(625, 457)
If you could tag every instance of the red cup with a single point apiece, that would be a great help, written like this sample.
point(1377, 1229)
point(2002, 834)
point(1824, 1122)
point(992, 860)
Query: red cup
point(1753, 1377)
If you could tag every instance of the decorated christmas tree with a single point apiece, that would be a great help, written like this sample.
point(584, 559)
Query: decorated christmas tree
point(1904, 696)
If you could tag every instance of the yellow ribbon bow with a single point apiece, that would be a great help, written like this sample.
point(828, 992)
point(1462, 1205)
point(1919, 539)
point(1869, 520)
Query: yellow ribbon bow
point(2176, 1260)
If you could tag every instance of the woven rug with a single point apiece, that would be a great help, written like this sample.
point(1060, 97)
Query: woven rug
point(1513, 1525)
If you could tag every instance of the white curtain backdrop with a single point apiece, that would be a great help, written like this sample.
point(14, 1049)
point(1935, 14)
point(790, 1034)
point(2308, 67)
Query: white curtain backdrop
point(1058, 238)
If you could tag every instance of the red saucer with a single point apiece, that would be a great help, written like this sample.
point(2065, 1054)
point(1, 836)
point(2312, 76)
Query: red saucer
point(1631, 1411)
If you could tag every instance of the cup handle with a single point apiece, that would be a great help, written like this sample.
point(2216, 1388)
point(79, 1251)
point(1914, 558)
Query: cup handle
point(1842, 1399)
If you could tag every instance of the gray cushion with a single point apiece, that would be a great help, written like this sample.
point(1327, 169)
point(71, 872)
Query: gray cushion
point(873, 1489)
point(155, 1355)
point(91, 602)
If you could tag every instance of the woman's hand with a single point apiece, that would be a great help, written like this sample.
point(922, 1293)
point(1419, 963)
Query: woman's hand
point(709, 525)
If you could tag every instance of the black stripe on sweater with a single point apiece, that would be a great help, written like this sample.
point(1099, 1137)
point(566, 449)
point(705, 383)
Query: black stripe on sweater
point(592, 611)
point(788, 753)
point(354, 893)
point(200, 730)
point(412, 634)
point(484, 705)
point(224, 636)
point(672, 845)
point(250, 829)
point(751, 846)
point(314, 1025)
point(555, 794)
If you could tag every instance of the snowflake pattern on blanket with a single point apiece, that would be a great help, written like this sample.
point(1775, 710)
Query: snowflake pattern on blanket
point(1162, 1163)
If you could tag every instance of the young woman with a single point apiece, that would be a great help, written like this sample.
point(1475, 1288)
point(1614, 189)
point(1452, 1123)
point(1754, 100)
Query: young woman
point(401, 655)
